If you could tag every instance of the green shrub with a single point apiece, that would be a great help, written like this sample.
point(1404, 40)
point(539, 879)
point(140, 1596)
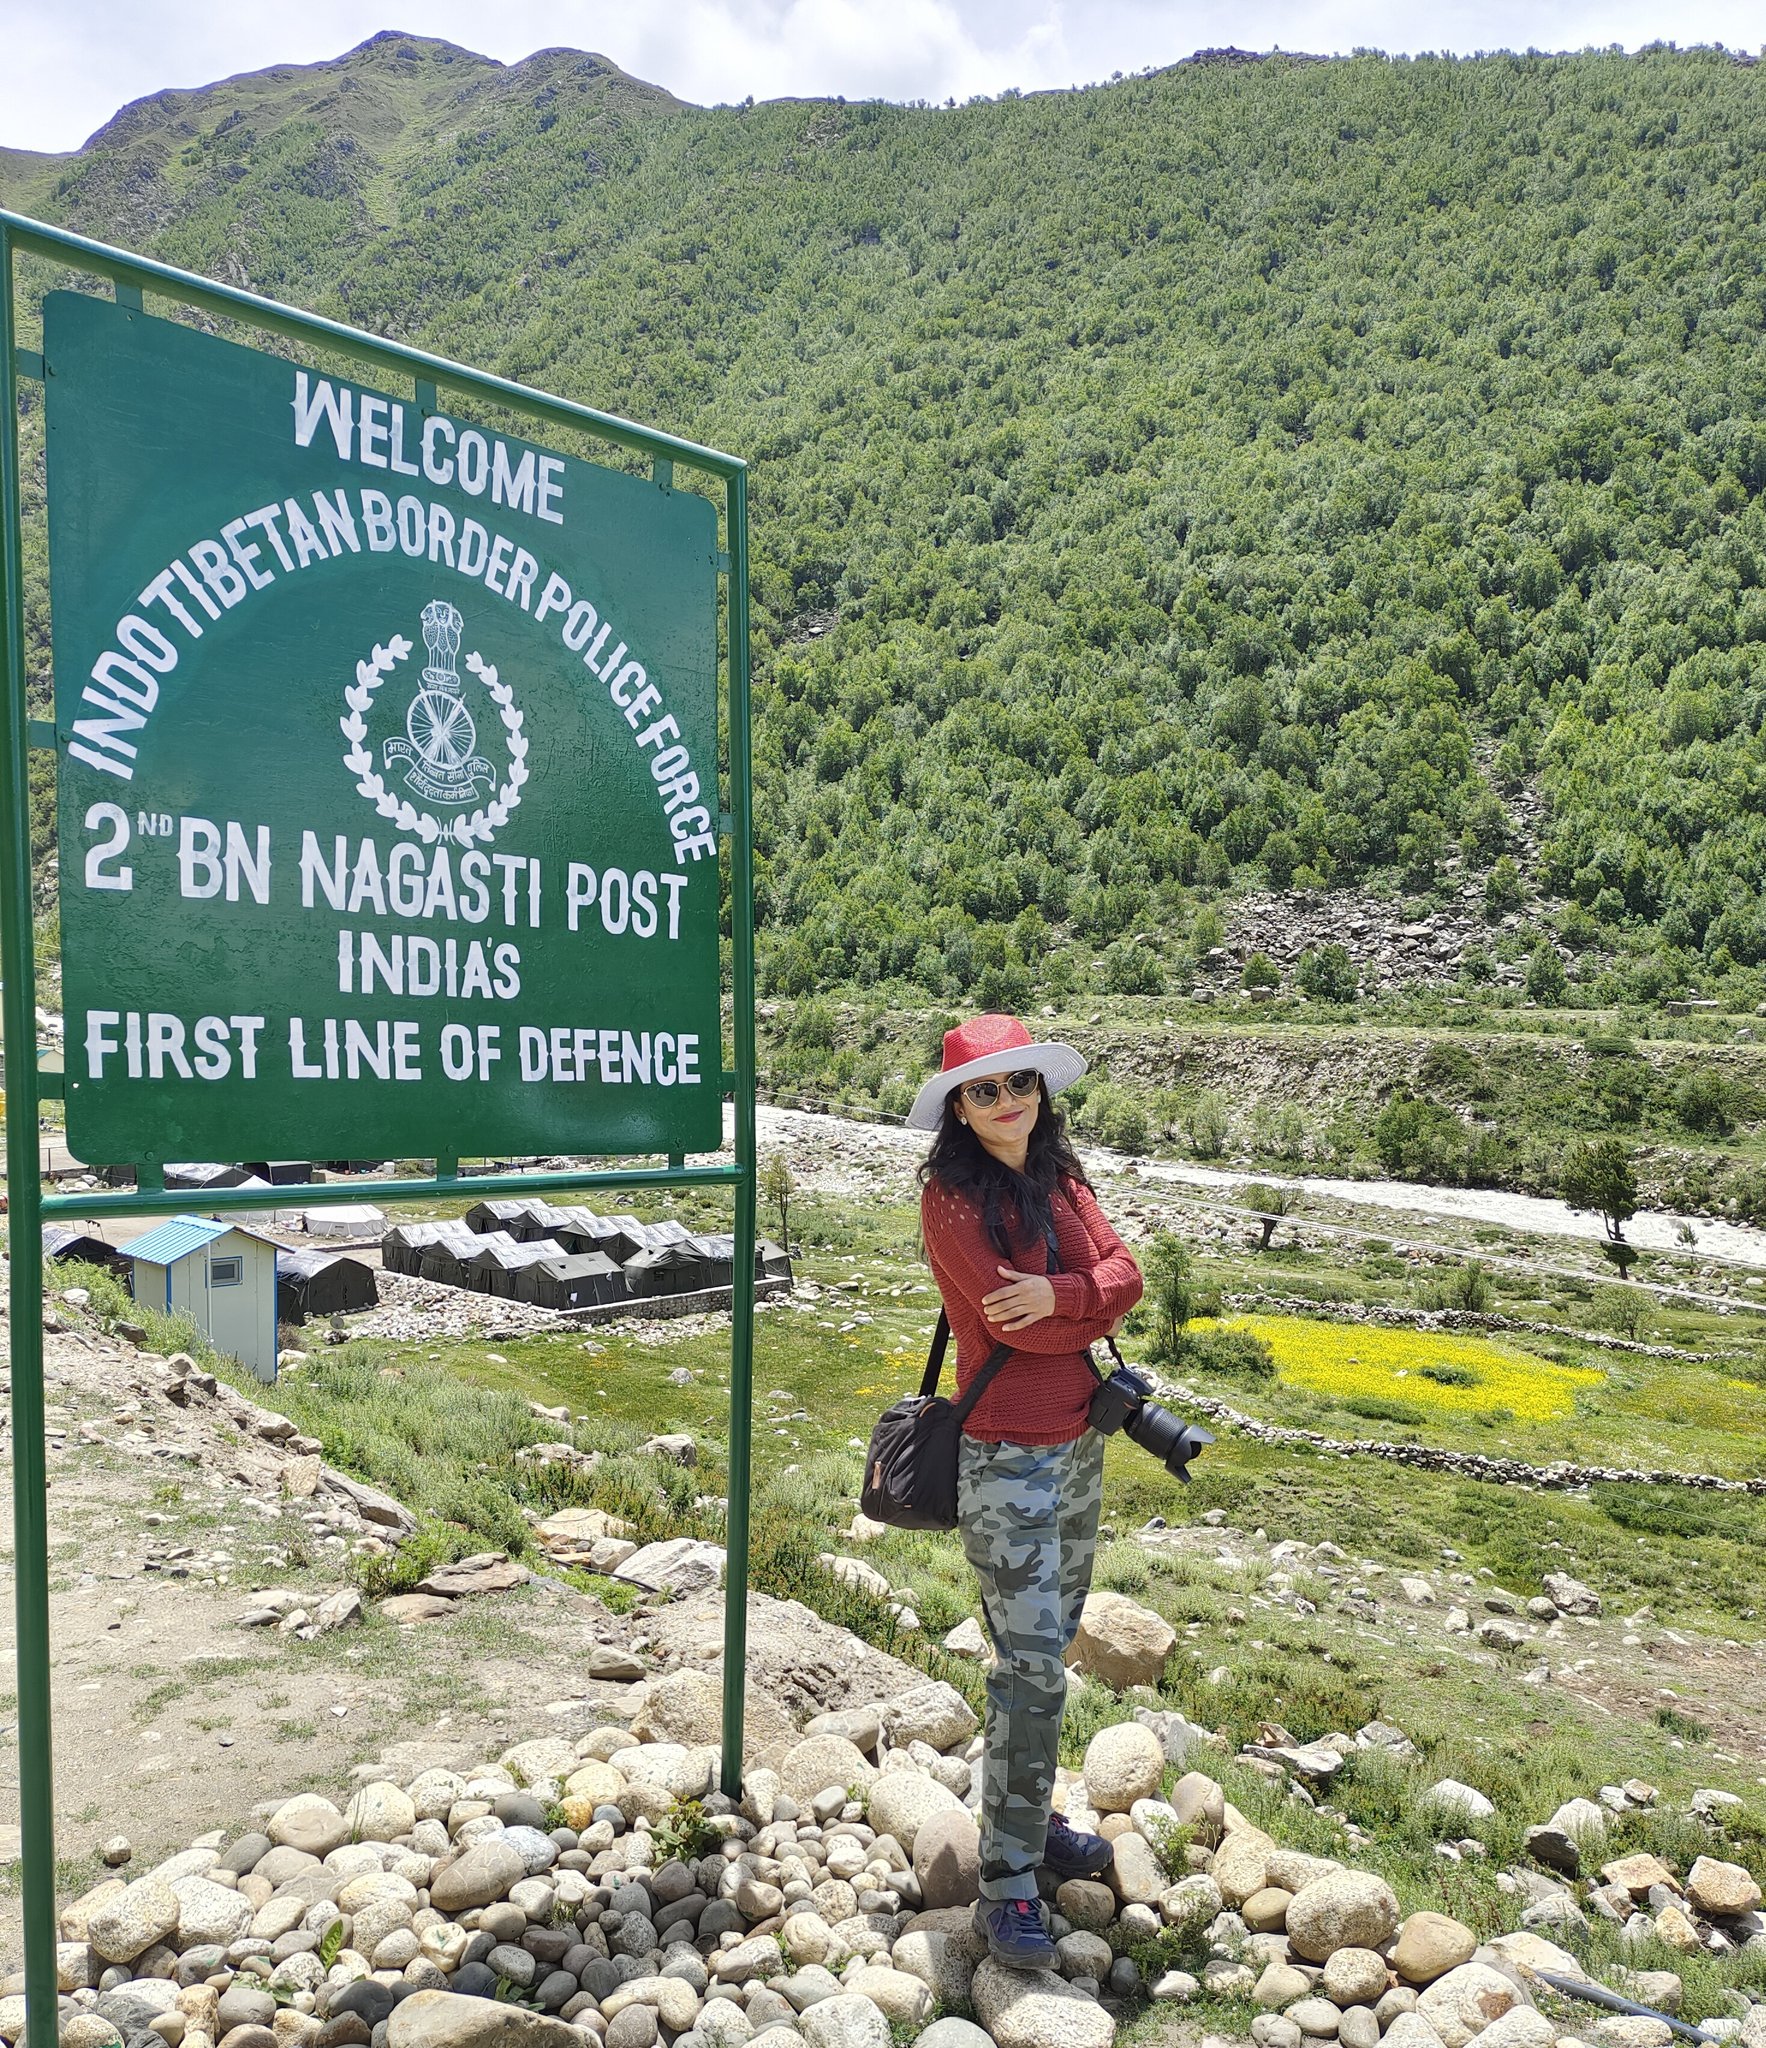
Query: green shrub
point(1465, 1287)
point(1328, 976)
point(1703, 1103)
point(1228, 1354)
point(1207, 1126)
point(1377, 1408)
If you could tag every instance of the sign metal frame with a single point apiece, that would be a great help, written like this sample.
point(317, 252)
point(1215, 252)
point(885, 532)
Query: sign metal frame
point(131, 277)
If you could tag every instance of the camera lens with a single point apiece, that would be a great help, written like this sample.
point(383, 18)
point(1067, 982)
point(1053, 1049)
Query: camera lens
point(1166, 1437)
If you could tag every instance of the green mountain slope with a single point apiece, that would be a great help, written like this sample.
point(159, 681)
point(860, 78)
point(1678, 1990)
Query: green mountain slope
point(1283, 474)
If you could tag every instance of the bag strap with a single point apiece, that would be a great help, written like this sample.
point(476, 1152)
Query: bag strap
point(935, 1365)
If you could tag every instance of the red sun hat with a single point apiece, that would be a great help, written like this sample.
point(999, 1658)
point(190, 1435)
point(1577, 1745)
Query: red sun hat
point(993, 1044)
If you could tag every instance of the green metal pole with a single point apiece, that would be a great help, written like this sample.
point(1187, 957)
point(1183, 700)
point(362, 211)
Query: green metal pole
point(30, 1497)
point(742, 991)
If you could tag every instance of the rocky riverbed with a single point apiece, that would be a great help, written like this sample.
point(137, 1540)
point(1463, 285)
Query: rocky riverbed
point(599, 1890)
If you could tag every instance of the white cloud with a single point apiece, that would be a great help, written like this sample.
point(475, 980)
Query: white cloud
point(71, 63)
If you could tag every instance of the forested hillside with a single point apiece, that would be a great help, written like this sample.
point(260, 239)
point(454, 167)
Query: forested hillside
point(1277, 475)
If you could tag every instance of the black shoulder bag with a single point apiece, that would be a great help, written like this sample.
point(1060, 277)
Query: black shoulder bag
point(911, 1466)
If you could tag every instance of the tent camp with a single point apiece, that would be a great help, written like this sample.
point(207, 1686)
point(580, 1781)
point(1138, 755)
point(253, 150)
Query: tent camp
point(775, 1260)
point(580, 1282)
point(494, 1267)
point(541, 1220)
point(656, 1235)
point(673, 1269)
point(63, 1241)
point(617, 1237)
point(507, 1214)
point(322, 1284)
point(403, 1246)
point(444, 1257)
point(358, 1220)
point(207, 1173)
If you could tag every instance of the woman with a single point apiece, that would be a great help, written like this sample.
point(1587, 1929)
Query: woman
point(1022, 1254)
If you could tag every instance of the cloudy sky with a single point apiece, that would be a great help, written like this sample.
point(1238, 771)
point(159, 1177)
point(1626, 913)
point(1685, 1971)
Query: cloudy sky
point(69, 64)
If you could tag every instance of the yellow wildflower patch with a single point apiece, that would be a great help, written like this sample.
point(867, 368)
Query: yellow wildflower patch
point(1343, 1360)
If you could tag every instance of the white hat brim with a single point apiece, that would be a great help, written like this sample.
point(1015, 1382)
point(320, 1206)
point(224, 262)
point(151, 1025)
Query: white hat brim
point(1059, 1065)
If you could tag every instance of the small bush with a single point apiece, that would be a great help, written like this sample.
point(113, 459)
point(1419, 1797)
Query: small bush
point(1329, 976)
point(1703, 1103)
point(1448, 1375)
point(1375, 1408)
point(1116, 1118)
point(1207, 1125)
point(1465, 1287)
point(1231, 1354)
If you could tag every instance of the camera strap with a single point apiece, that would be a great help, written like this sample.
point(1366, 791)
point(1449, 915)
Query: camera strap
point(935, 1365)
point(1054, 1251)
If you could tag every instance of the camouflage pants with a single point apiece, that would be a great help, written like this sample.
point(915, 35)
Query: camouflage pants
point(1028, 1514)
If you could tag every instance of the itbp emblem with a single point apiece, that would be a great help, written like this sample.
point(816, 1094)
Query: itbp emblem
point(437, 753)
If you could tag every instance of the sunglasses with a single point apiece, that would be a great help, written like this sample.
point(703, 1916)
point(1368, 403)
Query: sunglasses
point(984, 1094)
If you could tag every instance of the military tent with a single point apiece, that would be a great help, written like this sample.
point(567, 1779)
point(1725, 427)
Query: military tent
point(493, 1268)
point(672, 1269)
point(444, 1257)
point(63, 1242)
point(505, 1214)
point(582, 1281)
point(322, 1284)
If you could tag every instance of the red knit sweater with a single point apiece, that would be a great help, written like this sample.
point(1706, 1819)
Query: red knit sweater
point(1040, 1395)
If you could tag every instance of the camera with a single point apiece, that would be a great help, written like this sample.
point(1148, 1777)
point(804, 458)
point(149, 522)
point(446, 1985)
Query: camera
point(1121, 1403)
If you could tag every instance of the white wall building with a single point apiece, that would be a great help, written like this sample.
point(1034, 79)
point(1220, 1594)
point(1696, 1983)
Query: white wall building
point(224, 1276)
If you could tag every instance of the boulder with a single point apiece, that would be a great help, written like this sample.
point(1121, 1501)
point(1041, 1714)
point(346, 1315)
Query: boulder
point(1355, 1976)
point(1462, 1802)
point(380, 1812)
point(1463, 2003)
point(1121, 1643)
point(1638, 1874)
point(307, 1822)
point(934, 1713)
point(811, 1766)
point(1431, 1944)
point(847, 2021)
point(137, 1917)
point(209, 1912)
point(1122, 1764)
point(942, 1957)
point(1037, 2009)
point(901, 1997)
point(1722, 1889)
point(681, 1564)
point(967, 1640)
point(685, 1707)
point(1348, 1909)
point(1266, 1912)
point(1530, 1953)
point(445, 2019)
point(900, 1803)
point(1086, 1903)
point(483, 1874)
point(952, 2032)
point(1199, 1803)
point(1570, 1596)
point(947, 1859)
point(1410, 2030)
point(1522, 2027)
point(1136, 1875)
point(1241, 1864)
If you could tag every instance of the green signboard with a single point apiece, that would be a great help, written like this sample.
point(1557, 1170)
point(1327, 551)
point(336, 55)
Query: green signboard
point(387, 769)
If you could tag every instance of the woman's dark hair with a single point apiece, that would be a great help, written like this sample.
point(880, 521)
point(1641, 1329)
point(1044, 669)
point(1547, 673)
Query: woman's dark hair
point(959, 1161)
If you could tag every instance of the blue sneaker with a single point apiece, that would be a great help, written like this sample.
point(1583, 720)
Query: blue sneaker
point(1070, 1853)
point(1015, 1934)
